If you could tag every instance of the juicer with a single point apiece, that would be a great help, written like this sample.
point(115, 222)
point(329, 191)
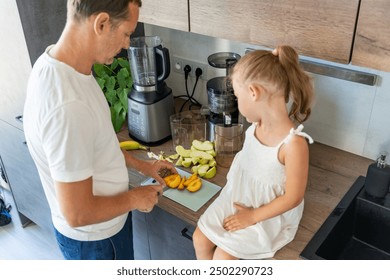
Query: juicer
point(222, 103)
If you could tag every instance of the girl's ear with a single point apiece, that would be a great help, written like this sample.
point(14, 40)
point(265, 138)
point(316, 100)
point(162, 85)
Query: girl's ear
point(101, 23)
point(255, 92)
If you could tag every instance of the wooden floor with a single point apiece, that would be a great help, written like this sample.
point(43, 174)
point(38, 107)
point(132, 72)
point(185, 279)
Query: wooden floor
point(29, 243)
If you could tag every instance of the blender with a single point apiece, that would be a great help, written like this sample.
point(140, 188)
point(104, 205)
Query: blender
point(150, 99)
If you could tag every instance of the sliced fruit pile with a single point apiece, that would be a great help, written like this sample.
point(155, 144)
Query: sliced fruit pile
point(200, 156)
point(175, 181)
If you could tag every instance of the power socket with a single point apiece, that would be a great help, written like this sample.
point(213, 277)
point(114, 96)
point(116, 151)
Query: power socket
point(179, 63)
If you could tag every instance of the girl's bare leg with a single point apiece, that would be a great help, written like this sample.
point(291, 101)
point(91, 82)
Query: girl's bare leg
point(220, 254)
point(204, 248)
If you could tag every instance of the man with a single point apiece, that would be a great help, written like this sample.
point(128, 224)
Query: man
point(68, 129)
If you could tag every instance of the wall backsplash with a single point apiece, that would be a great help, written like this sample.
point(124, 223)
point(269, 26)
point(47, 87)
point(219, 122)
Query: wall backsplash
point(349, 116)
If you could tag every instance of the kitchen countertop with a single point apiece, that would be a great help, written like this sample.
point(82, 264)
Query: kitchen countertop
point(331, 173)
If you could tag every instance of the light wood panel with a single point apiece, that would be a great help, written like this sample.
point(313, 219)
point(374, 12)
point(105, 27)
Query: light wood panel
point(372, 42)
point(166, 13)
point(319, 28)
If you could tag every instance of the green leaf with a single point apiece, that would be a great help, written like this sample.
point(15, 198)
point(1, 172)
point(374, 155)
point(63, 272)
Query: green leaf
point(114, 64)
point(115, 81)
point(99, 70)
point(123, 98)
point(124, 63)
point(111, 97)
point(118, 115)
point(101, 82)
point(110, 83)
point(114, 119)
point(122, 76)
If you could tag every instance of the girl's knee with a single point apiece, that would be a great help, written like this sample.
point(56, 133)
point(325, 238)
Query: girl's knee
point(200, 240)
point(197, 237)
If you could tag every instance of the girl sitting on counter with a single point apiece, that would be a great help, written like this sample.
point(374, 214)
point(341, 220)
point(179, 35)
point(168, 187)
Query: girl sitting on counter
point(261, 205)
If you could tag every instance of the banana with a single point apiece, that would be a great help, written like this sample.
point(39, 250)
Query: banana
point(131, 145)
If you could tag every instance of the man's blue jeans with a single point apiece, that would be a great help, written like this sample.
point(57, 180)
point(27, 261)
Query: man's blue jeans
point(117, 247)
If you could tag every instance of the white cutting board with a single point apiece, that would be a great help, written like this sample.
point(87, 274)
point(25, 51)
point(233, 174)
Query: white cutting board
point(193, 201)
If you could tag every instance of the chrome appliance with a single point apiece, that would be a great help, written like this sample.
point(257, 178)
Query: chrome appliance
point(150, 100)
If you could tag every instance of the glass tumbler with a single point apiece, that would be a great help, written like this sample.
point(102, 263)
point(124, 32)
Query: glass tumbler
point(186, 127)
point(228, 142)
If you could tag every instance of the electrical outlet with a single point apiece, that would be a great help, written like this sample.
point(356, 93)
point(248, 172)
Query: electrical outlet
point(178, 64)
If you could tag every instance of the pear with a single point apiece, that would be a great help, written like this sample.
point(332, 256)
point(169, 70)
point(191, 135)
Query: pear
point(187, 162)
point(202, 146)
point(195, 168)
point(212, 162)
point(210, 173)
point(201, 154)
point(182, 151)
point(202, 170)
point(179, 162)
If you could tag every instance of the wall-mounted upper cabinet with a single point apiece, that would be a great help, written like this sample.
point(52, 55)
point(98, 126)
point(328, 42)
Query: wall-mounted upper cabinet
point(317, 28)
point(166, 13)
point(372, 42)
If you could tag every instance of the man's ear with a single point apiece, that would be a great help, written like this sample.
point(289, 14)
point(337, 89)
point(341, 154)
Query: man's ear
point(101, 23)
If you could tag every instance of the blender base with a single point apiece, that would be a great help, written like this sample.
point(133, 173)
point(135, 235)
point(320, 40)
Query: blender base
point(148, 119)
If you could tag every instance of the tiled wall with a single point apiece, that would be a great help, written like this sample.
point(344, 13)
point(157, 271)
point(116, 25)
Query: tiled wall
point(349, 116)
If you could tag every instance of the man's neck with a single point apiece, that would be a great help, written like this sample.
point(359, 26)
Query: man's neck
point(72, 49)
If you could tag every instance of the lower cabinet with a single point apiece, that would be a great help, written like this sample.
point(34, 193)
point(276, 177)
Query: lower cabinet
point(159, 235)
point(23, 178)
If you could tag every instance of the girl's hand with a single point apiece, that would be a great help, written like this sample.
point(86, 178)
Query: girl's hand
point(242, 219)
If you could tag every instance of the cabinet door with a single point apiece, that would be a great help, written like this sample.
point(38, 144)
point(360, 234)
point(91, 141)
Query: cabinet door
point(168, 237)
point(372, 42)
point(23, 177)
point(166, 13)
point(140, 236)
point(15, 65)
point(316, 28)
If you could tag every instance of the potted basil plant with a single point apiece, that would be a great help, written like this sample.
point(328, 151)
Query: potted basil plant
point(115, 81)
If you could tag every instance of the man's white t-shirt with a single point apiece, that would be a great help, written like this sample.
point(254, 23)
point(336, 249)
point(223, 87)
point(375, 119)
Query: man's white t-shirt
point(67, 123)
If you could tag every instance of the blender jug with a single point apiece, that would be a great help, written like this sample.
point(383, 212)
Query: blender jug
point(149, 63)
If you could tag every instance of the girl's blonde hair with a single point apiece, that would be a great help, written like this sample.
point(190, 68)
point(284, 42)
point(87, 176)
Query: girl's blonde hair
point(279, 71)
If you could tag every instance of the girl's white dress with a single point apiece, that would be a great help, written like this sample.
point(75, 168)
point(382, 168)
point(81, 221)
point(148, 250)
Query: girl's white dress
point(256, 177)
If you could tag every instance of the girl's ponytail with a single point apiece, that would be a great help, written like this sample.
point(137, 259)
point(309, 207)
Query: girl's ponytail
point(299, 89)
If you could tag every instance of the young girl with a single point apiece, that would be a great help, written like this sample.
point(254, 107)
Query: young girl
point(259, 209)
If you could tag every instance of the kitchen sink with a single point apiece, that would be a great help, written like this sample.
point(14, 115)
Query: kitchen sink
point(357, 229)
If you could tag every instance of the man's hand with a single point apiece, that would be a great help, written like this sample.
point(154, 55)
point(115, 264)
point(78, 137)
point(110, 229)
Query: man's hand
point(146, 197)
point(153, 168)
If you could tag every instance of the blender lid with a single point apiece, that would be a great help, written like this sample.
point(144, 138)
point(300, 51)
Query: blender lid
point(221, 59)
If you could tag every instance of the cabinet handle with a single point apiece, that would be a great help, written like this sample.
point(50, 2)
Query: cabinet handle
point(185, 234)
point(19, 118)
point(342, 73)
